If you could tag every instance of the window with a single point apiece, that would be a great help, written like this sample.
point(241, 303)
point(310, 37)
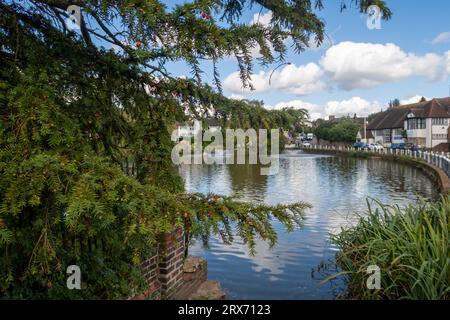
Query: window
point(387, 136)
point(416, 123)
point(440, 121)
point(439, 136)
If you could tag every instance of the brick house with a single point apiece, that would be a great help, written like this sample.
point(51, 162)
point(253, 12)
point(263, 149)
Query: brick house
point(424, 123)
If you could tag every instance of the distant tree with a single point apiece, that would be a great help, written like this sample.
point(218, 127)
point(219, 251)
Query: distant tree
point(322, 128)
point(343, 131)
point(394, 103)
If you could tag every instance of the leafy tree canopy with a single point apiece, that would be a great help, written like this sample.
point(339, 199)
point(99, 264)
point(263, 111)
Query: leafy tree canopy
point(342, 131)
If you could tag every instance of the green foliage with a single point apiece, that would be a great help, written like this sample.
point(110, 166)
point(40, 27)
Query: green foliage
point(394, 103)
point(404, 133)
point(410, 245)
point(216, 215)
point(342, 131)
point(247, 114)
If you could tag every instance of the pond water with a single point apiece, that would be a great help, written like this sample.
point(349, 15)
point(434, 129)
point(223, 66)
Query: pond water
point(336, 187)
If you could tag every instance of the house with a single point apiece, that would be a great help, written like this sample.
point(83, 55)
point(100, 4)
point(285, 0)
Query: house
point(366, 138)
point(424, 123)
point(213, 124)
point(387, 127)
point(189, 130)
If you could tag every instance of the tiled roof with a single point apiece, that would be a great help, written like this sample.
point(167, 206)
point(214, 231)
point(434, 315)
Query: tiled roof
point(394, 117)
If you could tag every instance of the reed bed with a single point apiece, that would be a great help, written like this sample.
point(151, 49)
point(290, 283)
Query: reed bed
point(409, 244)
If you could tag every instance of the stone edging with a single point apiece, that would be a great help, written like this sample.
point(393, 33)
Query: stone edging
point(436, 174)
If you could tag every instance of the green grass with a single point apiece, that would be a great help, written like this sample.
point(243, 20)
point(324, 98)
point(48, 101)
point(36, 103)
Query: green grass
point(410, 245)
point(358, 154)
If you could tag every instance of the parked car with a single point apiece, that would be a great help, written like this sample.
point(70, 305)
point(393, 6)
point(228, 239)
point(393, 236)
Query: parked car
point(398, 146)
point(306, 144)
point(375, 147)
point(360, 145)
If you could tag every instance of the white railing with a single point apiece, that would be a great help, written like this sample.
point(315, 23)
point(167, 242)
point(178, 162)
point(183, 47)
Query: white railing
point(438, 159)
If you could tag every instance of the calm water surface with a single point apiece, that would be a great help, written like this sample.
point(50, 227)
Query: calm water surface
point(336, 187)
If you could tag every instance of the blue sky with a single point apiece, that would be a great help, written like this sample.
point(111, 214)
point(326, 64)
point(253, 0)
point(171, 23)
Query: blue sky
point(357, 71)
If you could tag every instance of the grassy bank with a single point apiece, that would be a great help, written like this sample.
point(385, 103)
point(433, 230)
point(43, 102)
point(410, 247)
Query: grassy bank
point(410, 246)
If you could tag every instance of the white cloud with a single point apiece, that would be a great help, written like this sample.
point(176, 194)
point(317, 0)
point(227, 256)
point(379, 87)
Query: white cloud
point(354, 105)
point(262, 19)
point(314, 110)
point(348, 66)
point(301, 80)
point(361, 65)
point(443, 37)
point(351, 106)
point(413, 99)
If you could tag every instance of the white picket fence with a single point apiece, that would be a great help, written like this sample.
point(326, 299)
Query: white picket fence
point(438, 159)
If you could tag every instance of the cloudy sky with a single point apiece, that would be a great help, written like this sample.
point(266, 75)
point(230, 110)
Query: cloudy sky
point(356, 70)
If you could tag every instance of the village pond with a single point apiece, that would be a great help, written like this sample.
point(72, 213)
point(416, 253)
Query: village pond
point(336, 187)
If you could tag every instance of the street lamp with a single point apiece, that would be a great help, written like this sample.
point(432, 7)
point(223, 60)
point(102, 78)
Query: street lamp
point(285, 63)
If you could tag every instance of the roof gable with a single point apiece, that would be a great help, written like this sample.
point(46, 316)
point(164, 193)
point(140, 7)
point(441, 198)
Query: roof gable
point(394, 117)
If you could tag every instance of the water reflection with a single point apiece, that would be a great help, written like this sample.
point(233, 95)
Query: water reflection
point(336, 187)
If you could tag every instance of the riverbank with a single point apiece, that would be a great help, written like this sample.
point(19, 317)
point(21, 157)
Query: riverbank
point(437, 175)
point(408, 246)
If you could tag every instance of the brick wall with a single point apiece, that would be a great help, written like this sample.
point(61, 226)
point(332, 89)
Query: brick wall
point(163, 271)
point(151, 276)
point(171, 254)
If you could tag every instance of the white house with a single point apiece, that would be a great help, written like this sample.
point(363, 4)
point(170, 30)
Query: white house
point(191, 129)
point(366, 138)
point(424, 123)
